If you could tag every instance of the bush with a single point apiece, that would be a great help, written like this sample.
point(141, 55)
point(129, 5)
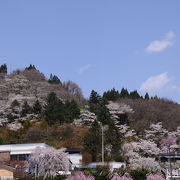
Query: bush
point(14, 104)
point(139, 174)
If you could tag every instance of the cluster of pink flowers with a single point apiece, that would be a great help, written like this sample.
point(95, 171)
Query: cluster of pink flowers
point(125, 177)
point(155, 177)
point(80, 176)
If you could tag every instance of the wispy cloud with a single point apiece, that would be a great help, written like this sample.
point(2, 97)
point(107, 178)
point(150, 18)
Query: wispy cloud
point(82, 69)
point(155, 83)
point(160, 45)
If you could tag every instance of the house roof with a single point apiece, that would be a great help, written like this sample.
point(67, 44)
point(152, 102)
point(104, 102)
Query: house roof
point(4, 166)
point(21, 148)
point(73, 150)
point(174, 155)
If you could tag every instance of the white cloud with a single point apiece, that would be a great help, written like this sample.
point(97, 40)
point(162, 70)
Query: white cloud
point(160, 45)
point(155, 83)
point(83, 69)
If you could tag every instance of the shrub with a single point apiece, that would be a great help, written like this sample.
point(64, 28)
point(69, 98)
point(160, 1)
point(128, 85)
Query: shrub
point(139, 174)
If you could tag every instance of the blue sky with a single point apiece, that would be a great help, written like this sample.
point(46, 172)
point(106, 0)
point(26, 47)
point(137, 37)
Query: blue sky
point(99, 44)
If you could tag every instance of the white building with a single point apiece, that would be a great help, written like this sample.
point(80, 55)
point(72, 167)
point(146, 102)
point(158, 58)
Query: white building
point(21, 152)
point(113, 166)
point(75, 157)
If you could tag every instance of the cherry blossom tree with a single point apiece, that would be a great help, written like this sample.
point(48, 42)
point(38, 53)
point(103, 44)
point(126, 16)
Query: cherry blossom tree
point(143, 163)
point(126, 176)
point(80, 176)
point(49, 161)
point(155, 177)
point(148, 147)
point(156, 131)
point(169, 143)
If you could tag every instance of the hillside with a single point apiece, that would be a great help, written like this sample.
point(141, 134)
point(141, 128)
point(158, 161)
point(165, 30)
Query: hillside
point(151, 111)
point(20, 90)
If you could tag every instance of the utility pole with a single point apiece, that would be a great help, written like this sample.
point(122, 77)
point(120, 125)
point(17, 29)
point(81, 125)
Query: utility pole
point(102, 144)
point(170, 166)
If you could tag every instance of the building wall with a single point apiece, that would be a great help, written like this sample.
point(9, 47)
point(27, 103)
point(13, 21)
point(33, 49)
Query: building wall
point(6, 174)
point(4, 156)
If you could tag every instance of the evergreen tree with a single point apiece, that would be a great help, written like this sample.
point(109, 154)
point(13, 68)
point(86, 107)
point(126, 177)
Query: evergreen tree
point(3, 68)
point(54, 79)
point(26, 109)
point(134, 95)
point(15, 103)
point(30, 67)
point(54, 110)
point(146, 96)
point(94, 101)
point(123, 119)
point(124, 93)
point(113, 138)
point(111, 95)
point(72, 111)
point(37, 108)
point(92, 141)
point(103, 114)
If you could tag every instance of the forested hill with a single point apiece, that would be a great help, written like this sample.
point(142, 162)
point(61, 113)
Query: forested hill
point(144, 110)
point(36, 109)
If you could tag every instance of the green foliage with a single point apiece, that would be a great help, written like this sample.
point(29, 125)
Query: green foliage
point(10, 118)
point(26, 124)
point(72, 110)
point(124, 93)
point(139, 174)
point(56, 111)
point(14, 104)
point(30, 67)
point(111, 95)
point(3, 68)
point(1, 141)
point(103, 114)
point(146, 96)
point(26, 109)
point(102, 173)
point(94, 101)
point(123, 119)
point(112, 137)
point(92, 141)
point(67, 132)
point(37, 108)
point(134, 95)
point(54, 79)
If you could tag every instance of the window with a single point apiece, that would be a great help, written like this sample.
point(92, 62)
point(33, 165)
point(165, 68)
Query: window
point(14, 157)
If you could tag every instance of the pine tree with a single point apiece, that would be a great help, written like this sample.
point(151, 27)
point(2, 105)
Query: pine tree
point(72, 111)
point(146, 96)
point(92, 141)
point(112, 137)
point(15, 103)
point(37, 108)
point(3, 68)
point(26, 109)
point(103, 114)
point(94, 101)
point(124, 93)
point(54, 79)
point(54, 110)
point(111, 95)
point(134, 95)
